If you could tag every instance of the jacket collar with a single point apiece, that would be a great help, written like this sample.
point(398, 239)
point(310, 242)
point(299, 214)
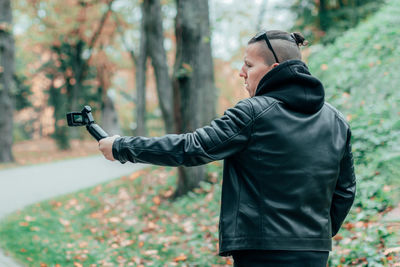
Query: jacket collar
point(292, 83)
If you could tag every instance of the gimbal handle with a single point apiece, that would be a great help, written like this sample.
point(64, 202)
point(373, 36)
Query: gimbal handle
point(96, 131)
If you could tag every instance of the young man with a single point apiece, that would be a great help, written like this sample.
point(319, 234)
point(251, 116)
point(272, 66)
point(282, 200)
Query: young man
point(288, 178)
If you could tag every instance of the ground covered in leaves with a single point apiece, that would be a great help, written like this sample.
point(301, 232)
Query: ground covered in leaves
point(126, 222)
point(131, 221)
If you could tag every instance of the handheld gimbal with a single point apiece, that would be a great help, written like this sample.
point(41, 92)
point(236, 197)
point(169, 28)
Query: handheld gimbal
point(83, 118)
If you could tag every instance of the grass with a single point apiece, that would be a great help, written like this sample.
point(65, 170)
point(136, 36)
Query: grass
point(126, 222)
point(131, 222)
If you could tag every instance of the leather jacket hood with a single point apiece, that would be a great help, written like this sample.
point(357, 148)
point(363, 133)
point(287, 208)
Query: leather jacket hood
point(288, 179)
point(292, 83)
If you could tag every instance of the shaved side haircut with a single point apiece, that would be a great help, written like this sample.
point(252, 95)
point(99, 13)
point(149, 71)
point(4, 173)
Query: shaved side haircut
point(286, 46)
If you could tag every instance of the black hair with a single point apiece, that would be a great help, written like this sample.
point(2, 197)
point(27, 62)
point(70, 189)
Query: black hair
point(295, 37)
point(284, 50)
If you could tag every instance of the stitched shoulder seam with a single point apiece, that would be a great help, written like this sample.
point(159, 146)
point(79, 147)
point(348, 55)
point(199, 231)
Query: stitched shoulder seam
point(337, 114)
point(233, 136)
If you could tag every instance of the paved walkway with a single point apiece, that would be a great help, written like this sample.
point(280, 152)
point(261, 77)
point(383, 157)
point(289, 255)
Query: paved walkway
point(22, 186)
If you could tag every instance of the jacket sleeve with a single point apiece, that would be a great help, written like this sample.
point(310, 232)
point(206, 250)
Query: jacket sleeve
point(225, 136)
point(344, 194)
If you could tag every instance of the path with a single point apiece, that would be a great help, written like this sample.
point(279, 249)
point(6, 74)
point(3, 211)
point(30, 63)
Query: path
point(22, 186)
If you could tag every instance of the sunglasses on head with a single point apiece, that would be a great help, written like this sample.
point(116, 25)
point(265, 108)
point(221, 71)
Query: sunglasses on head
point(263, 35)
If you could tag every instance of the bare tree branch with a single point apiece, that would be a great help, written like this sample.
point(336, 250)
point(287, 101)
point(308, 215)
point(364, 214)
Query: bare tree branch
point(124, 43)
point(96, 34)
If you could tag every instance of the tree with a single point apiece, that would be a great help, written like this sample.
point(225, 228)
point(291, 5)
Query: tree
point(6, 81)
point(326, 20)
point(105, 71)
point(140, 72)
point(193, 81)
point(190, 93)
point(151, 45)
point(158, 55)
point(71, 67)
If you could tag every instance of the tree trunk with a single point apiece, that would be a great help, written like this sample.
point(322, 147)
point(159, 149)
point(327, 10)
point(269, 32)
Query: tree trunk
point(323, 16)
point(6, 81)
point(141, 80)
point(75, 89)
point(194, 91)
point(110, 121)
point(157, 53)
point(109, 115)
point(58, 100)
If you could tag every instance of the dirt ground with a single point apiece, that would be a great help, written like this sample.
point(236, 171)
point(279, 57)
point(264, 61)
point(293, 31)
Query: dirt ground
point(45, 150)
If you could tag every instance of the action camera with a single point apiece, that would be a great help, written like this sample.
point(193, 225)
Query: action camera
point(85, 118)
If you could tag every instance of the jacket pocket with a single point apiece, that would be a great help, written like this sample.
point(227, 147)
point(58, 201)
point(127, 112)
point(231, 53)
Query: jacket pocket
point(248, 221)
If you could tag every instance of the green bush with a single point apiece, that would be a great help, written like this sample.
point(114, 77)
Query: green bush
point(361, 75)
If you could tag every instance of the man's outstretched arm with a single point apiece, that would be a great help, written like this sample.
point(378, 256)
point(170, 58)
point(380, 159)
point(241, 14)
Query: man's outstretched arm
point(225, 136)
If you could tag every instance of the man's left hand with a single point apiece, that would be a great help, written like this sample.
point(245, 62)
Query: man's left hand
point(105, 146)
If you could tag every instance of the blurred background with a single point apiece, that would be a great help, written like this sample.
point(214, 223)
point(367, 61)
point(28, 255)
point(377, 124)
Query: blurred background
point(151, 67)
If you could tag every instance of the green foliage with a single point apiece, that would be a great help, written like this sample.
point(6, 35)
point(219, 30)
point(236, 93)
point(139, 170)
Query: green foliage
point(360, 72)
point(23, 92)
point(70, 75)
point(22, 130)
point(327, 20)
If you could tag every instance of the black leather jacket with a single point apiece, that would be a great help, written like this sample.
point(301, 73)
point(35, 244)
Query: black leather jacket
point(288, 179)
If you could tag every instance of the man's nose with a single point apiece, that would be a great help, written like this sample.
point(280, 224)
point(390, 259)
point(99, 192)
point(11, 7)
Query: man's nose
point(242, 73)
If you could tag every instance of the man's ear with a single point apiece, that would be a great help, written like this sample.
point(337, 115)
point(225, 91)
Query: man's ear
point(275, 64)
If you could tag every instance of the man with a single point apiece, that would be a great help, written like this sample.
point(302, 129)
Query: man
point(288, 179)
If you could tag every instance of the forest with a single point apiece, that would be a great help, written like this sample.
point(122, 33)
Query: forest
point(155, 67)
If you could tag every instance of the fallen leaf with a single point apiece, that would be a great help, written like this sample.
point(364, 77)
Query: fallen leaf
point(180, 258)
point(386, 188)
point(338, 237)
point(135, 175)
point(156, 200)
point(391, 250)
point(65, 223)
point(114, 220)
point(125, 243)
point(348, 226)
point(168, 193)
point(151, 252)
point(83, 244)
point(29, 219)
point(24, 224)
